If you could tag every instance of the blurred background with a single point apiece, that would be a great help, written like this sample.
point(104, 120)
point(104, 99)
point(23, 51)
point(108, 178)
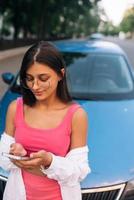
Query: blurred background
point(24, 21)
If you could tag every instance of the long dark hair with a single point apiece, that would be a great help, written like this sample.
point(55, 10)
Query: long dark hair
point(45, 53)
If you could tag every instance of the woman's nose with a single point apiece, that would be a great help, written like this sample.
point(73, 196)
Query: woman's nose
point(35, 84)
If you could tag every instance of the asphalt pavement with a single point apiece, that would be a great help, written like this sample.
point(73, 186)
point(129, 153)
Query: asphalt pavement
point(10, 61)
point(127, 46)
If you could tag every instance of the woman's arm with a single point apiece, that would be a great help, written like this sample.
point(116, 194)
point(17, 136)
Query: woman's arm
point(79, 129)
point(7, 137)
point(10, 118)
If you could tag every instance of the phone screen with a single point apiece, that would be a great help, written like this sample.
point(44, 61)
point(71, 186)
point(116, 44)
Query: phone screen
point(15, 157)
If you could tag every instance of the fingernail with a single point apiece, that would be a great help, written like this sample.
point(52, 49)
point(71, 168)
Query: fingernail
point(31, 156)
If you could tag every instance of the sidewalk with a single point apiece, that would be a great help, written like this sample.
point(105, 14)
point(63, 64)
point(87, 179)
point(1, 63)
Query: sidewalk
point(12, 52)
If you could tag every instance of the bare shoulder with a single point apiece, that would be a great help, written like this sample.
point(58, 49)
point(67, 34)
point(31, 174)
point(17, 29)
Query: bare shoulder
point(79, 128)
point(10, 116)
point(12, 108)
point(80, 119)
point(80, 114)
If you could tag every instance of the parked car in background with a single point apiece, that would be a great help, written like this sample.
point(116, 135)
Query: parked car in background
point(101, 80)
point(96, 36)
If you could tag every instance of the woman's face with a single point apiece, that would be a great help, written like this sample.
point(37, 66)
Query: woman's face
point(42, 81)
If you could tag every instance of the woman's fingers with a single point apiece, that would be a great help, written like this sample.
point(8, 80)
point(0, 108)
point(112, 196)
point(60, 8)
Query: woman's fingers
point(28, 164)
point(38, 154)
point(21, 165)
point(17, 149)
point(36, 160)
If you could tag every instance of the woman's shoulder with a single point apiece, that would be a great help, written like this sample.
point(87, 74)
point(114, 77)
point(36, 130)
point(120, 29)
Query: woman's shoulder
point(10, 117)
point(79, 114)
point(12, 106)
point(77, 111)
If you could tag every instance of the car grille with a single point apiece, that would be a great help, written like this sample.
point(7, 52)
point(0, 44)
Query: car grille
point(104, 193)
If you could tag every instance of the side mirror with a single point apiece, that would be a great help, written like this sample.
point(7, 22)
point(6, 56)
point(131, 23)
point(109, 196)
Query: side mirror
point(7, 77)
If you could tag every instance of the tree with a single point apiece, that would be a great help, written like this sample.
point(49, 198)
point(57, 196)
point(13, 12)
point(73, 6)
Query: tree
point(127, 24)
point(45, 18)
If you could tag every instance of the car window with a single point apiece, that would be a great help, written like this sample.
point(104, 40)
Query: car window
point(97, 74)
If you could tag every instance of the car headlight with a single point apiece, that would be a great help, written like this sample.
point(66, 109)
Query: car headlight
point(129, 191)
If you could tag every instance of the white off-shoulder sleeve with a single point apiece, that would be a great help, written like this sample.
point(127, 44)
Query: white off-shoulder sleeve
point(5, 142)
point(71, 169)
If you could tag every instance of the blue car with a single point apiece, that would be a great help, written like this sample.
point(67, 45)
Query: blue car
point(100, 78)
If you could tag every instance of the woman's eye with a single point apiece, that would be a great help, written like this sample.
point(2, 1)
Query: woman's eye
point(43, 79)
point(29, 79)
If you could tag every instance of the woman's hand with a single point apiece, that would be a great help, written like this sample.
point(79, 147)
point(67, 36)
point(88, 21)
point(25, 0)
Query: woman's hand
point(35, 161)
point(17, 149)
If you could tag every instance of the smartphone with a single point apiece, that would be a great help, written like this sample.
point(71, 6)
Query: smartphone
point(15, 157)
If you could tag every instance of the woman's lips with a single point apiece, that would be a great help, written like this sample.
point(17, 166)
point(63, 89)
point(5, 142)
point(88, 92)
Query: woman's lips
point(37, 93)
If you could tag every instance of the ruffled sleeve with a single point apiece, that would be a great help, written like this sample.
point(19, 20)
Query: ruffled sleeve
point(70, 170)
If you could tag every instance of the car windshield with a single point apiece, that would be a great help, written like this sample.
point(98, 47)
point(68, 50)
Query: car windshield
point(98, 75)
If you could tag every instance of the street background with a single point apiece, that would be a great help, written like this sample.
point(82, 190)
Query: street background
point(22, 24)
point(13, 63)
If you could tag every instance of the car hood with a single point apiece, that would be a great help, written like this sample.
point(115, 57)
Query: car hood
point(110, 141)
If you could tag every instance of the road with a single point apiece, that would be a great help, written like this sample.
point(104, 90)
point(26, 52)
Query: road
point(127, 46)
point(13, 64)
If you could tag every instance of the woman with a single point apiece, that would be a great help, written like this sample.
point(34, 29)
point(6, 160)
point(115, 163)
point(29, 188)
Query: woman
point(48, 127)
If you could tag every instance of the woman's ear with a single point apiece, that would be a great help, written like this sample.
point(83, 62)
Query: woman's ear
point(63, 72)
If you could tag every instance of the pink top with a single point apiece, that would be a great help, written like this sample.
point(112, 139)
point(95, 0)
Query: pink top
point(55, 140)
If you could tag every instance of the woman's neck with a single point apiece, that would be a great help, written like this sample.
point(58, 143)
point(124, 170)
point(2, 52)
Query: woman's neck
point(50, 104)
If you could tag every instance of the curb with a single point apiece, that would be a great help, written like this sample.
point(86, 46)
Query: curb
point(12, 52)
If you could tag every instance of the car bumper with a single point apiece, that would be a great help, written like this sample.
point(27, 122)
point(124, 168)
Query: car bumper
point(115, 192)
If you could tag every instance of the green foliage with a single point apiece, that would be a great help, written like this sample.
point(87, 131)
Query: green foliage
point(127, 24)
point(110, 29)
point(45, 18)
